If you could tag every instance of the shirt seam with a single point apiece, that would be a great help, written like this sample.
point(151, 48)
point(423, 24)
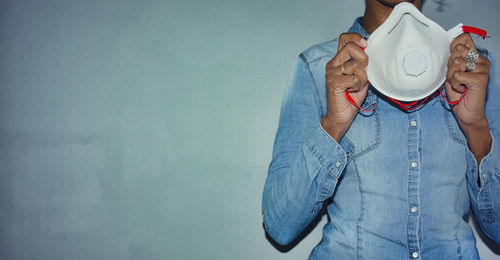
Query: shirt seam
point(311, 75)
point(361, 213)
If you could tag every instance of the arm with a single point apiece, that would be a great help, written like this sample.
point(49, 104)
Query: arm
point(478, 116)
point(483, 179)
point(306, 162)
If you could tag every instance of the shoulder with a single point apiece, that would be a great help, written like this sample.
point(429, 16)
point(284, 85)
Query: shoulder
point(325, 51)
point(320, 52)
point(313, 60)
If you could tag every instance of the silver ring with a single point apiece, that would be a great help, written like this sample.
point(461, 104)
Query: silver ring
point(472, 55)
point(470, 65)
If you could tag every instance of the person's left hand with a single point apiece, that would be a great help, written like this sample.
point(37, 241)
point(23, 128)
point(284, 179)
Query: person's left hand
point(469, 112)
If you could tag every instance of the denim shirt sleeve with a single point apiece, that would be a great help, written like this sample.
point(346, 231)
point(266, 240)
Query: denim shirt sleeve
point(306, 162)
point(483, 182)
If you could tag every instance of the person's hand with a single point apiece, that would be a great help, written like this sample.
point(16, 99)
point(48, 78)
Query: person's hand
point(345, 72)
point(469, 112)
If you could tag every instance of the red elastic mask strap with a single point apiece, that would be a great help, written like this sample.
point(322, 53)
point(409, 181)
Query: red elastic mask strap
point(412, 105)
point(348, 96)
point(454, 102)
point(474, 30)
point(401, 104)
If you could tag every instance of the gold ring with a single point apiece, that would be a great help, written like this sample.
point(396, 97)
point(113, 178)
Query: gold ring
point(342, 67)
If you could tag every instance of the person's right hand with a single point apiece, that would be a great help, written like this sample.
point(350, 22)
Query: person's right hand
point(354, 60)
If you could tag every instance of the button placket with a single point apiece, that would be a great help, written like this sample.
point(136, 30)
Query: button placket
point(413, 186)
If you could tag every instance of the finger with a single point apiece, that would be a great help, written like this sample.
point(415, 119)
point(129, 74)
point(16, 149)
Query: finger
point(470, 79)
point(452, 93)
point(455, 86)
point(348, 52)
point(359, 95)
point(356, 67)
point(352, 67)
point(464, 39)
point(351, 83)
point(480, 68)
point(455, 64)
point(351, 37)
point(459, 64)
point(483, 60)
point(459, 51)
point(450, 90)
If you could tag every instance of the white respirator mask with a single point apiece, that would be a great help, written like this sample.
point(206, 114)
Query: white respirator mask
point(408, 54)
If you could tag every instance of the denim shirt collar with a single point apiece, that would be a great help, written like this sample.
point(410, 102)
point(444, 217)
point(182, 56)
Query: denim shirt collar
point(357, 28)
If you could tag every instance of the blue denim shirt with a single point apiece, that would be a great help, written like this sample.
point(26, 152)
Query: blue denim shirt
point(401, 183)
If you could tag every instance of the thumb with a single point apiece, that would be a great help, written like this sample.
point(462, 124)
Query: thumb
point(452, 92)
point(352, 37)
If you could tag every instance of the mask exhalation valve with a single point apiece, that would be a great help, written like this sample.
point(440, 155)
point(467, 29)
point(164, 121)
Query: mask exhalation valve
point(414, 63)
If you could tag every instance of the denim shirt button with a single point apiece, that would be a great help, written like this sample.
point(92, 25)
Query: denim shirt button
point(338, 164)
point(413, 123)
point(414, 254)
point(414, 209)
point(414, 164)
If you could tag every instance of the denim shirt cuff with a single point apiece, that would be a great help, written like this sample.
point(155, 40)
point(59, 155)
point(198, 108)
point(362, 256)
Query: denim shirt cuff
point(333, 155)
point(487, 168)
point(486, 171)
point(490, 164)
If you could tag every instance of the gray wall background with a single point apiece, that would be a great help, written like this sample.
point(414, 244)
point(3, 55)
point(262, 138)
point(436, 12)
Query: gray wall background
point(143, 129)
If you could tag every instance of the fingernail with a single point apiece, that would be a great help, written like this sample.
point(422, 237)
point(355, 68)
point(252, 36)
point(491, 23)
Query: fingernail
point(363, 42)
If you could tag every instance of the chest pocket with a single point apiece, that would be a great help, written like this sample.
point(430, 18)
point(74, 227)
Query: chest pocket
point(364, 132)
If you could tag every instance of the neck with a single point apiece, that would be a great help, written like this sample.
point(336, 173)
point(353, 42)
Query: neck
point(377, 11)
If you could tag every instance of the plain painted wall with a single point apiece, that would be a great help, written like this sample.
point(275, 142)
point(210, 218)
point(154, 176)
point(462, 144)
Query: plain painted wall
point(143, 129)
